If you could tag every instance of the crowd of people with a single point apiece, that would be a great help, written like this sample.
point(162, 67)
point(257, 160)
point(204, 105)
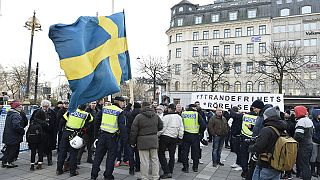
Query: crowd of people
point(137, 134)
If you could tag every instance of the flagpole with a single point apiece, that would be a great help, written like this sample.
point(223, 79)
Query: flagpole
point(0, 9)
point(112, 10)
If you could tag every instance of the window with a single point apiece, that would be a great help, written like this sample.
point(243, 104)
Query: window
point(194, 86)
point(238, 32)
point(205, 34)
point(198, 20)
point(250, 48)
point(262, 86)
point(250, 31)
point(178, 37)
point(169, 56)
point(293, 27)
point(216, 68)
point(177, 69)
point(237, 86)
point(262, 66)
point(216, 34)
point(313, 75)
point(177, 86)
point(170, 39)
point(216, 50)
point(180, 22)
point(249, 67)
point(226, 68)
point(226, 86)
point(180, 9)
point(233, 16)
point(279, 43)
point(174, 11)
point(204, 86)
point(205, 51)
point(227, 33)
point(262, 30)
point(295, 43)
point(194, 68)
point(285, 12)
point(205, 66)
point(172, 23)
point(178, 53)
point(310, 26)
point(237, 68)
point(279, 29)
point(215, 18)
point(249, 86)
point(252, 13)
point(195, 51)
point(190, 8)
point(306, 10)
point(262, 47)
point(310, 58)
point(195, 36)
point(226, 49)
point(238, 49)
point(279, 1)
point(289, 1)
point(310, 42)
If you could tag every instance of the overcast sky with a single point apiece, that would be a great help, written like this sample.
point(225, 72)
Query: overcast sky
point(146, 20)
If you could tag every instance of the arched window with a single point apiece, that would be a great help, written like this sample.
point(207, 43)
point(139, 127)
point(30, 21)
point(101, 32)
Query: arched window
point(285, 12)
point(226, 86)
point(180, 9)
point(194, 86)
point(262, 86)
point(249, 86)
point(177, 86)
point(204, 86)
point(306, 10)
point(237, 86)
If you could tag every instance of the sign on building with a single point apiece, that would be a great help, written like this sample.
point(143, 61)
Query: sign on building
point(213, 100)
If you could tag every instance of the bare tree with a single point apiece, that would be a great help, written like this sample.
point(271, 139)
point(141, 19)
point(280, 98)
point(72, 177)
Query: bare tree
point(153, 68)
point(279, 62)
point(213, 68)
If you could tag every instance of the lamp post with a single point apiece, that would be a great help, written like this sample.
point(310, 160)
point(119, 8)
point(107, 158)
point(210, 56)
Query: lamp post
point(32, 24)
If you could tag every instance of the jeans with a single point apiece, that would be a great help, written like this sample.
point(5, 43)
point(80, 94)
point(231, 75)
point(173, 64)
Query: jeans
point(261, 173)
point(303, 161)
point(169, 143)
point(315, 153)
point(122, 148)
point(217, 145)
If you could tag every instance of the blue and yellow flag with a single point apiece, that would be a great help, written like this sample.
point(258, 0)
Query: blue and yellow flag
point(94, 55)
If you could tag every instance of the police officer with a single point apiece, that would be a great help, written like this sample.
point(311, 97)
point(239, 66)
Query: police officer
point(112, 124)
point(75, 122)
point(194, 126)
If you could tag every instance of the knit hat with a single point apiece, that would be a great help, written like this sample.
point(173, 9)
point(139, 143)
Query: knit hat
point(271, 111)
point(15, 104)
point(235, 109)
point(258, 104)
point(300, 111)
point(160, 107)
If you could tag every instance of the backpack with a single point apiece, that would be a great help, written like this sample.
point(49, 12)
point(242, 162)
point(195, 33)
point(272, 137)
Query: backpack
point(34, 133)
point(284, 153)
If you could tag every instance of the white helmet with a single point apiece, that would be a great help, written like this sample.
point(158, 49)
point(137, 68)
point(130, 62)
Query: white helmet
point(76, 142)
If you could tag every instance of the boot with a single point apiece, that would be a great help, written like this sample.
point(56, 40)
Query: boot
point(49, 160)
point(32, 167)
point(66, 166)
point(318, 168)
point(313, 169)
point(39, 166)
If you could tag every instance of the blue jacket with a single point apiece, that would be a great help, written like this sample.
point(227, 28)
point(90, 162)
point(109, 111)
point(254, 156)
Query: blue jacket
point(259, 122)
point(13, 130)
point(316, 124)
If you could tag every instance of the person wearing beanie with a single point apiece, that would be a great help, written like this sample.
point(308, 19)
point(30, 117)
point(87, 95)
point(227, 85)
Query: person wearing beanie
point(265, 143)
point(315, 161)
point(12, 134)
point(160, 110)
point(303, 134)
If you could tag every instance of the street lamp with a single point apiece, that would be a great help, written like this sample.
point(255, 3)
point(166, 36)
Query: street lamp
point(32, 24)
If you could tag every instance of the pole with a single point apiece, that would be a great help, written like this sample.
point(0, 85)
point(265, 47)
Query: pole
point(0, 9)
point(131, 91)
point(112, 10)
point(36, 84)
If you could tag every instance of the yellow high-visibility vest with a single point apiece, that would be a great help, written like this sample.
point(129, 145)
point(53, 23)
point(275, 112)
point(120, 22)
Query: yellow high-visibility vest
point(75, 119)
point(190, 122)
point(109, 121)
point(248, 121)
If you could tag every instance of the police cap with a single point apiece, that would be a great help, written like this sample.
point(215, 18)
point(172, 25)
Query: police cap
point(119, 98)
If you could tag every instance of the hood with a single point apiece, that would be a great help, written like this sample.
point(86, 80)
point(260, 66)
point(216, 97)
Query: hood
point(236, 115)
point(315, 113)
point(149, 112)
point(276, 122)
point(264, 109)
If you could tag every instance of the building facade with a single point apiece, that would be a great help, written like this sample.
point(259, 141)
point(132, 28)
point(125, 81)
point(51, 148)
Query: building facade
point(239, 30)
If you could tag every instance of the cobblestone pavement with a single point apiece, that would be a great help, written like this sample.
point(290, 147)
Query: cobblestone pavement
point(206, 170)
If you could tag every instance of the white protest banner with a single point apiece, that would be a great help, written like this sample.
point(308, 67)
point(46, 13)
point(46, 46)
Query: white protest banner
point(213, 100)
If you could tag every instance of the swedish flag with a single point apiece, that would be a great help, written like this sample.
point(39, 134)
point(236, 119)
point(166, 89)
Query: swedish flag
point(94, 55)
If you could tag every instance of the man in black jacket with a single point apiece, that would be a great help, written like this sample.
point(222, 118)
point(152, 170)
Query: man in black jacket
point(265, 143)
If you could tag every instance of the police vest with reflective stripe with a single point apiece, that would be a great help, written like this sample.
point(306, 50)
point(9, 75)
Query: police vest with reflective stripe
point(248, 121)
point(109, 121)
point(190, 122)
point(76, 119)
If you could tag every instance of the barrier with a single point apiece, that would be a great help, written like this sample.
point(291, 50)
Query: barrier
point(23, 145)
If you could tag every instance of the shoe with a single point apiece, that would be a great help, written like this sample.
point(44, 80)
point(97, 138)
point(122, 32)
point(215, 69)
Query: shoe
point(74, 173)
point(3, 165)
point(126, 163)
point(200, 162)
point(179, 161)
point(137, 170)
point(117, 164)
point(131, 172)
point(166, 176)
point(59, 172)
point(185, 169)
point(234, 165)
point(238, 168)
point(227, 147)
point(220, 163)
point(90, 161)
point(314, 174)
point(49, 161)
point(289, 177)
point(214, 164)
point(191, 162)
point(39, 166)
point(11, 165)
point(32, 167)
point(93, 178)
point(195, 169)
point(109, 178)
point(66, 166)
point(244, 174)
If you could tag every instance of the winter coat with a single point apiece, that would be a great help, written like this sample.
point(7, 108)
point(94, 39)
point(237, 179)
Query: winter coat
point(172, 126)
point(45, 129)
point(90, 125)
point(304, 131)
point(218, 126)
point(267, 138)
point(259, 122)
point(61, 121)
point(13, 129)
point(144, 130)
point(316, 124)
point(291, 125)
point(236, 123)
